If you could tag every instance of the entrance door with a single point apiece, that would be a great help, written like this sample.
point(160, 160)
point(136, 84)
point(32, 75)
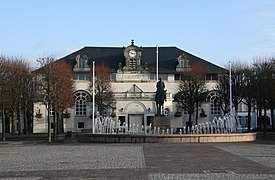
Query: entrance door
point(136, 119)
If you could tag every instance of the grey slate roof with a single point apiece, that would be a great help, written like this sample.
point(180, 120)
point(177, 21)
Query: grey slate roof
point(167, 58)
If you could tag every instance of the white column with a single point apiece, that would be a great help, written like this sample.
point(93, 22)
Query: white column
point(93, 125)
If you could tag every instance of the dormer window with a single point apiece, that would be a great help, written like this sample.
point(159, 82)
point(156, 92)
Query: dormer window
point(183, 63)
point(81, 68)
point(81, 61)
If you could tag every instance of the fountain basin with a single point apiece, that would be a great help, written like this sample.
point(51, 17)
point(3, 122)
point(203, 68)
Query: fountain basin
point(166, 138)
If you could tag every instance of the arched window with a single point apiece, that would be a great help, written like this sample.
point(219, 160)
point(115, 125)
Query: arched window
point(214, 105)
point(81, 98)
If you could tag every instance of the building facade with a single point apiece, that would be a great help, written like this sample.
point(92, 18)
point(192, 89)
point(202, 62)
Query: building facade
point(134, 74)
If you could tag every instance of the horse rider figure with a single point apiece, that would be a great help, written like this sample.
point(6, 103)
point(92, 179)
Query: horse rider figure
point(160, 95)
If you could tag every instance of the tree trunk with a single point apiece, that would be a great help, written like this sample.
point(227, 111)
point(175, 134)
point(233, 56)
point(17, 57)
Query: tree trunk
point(49, 127)
point(57, 123)
point(13, 125)
point(190, 122)
point(54, 126)
point(60, 123)
point(30, 121)
point(264, 121)
point(100, 108)
point(3, 125)
point(259, 115)
point(272, 118)
point(25, 120)
point(197, 113)
point(249, 118)
point(19, 122)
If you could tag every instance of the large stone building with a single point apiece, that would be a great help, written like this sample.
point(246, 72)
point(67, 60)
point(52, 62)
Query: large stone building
point(134, 72)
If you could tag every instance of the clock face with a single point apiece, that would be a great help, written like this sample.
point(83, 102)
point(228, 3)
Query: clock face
point(132, 53)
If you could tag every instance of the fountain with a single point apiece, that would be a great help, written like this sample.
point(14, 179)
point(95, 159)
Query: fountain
point(219, 130)
point(219, 125)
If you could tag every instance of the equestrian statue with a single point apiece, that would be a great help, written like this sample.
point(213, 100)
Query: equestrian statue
point(160, 97)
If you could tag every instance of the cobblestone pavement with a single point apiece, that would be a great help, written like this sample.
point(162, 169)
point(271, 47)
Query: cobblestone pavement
point(27, 160)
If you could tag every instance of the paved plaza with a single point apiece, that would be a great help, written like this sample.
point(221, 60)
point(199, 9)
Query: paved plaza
point(40, 160)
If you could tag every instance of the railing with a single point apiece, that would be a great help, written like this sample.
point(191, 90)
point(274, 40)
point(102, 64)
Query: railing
point(137, 95)
point(134, 95)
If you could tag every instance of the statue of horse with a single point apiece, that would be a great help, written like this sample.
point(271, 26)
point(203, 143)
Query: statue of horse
point(159, 99)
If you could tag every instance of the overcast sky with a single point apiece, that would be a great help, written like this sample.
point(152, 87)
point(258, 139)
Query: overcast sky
point(215, 30)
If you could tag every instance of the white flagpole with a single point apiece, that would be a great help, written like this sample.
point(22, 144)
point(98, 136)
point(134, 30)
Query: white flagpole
point(157, 63)
point(230, 89)
point(93, 98)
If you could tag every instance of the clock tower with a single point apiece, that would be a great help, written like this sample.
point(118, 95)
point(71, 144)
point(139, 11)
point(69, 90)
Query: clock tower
point(133, 70)
point(132, 56)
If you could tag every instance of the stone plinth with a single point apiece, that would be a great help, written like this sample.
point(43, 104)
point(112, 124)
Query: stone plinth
point(162, 122)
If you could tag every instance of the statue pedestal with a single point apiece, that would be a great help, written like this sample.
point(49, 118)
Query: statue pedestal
point(162, 122)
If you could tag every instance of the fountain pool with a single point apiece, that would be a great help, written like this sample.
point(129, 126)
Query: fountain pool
point(219, 130)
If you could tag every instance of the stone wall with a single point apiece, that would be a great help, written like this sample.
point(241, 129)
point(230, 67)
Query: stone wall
point(173, 138)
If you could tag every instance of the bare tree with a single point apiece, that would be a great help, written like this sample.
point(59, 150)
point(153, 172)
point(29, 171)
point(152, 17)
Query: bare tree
point(222, 89)
point(271, 100)
point(190, 91)
point(104, 94)
point(64, 91)
point(2, 102)
point(263, 78)
point(248, 93)
point(56, 89)
point(237, 79)
point(15, 78)
point(44, 86)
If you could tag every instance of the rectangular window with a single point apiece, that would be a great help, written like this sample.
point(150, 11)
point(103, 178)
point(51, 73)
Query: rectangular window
point(80, 125)
point(149, 120)
point(208, 77)
point(51, 111)
point(211, 77)
point(215, 109)
point(214, 76)
point(80, 109)
point(87, 77)
point(81, 77)
point(82, 63)
point(122, 120)
point(177, 77)
point(75, 76)
point(152, 76)
point(113, 77)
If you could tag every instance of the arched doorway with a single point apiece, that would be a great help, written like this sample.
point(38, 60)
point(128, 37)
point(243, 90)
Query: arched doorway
point(136, 111)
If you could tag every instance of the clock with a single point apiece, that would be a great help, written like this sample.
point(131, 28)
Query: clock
point(132, 53)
